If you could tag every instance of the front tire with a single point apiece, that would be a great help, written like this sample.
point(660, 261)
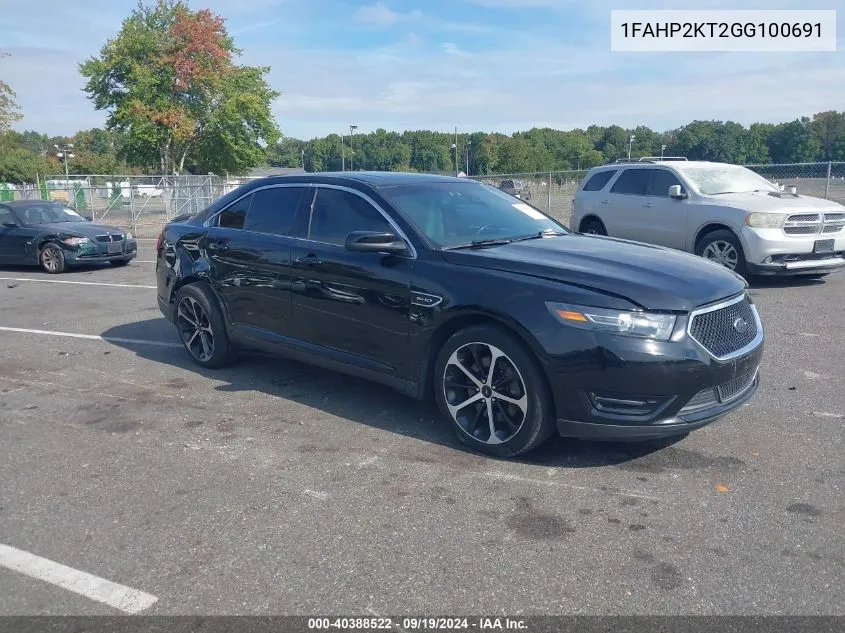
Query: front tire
point(723, 247)
point(493, 391)
point(52, 259)
point(593, 227)
point(119, 262)
point(201, 326)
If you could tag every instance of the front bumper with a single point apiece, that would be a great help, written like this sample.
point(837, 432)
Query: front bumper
point(98, 253)
point(618, 388)
point(771, 252)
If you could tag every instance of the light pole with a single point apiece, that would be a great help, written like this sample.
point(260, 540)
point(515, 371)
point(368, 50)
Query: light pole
point(469, 146)
point(454, 149)
point(630, 145)
point(662, 149)
point(342, 155)
point(352, 129)
point(64, 154)
point(302, 153)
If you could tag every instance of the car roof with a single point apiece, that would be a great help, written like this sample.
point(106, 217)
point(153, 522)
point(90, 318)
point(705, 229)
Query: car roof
point(679, 164)
point(375, 179)
point(17, 204)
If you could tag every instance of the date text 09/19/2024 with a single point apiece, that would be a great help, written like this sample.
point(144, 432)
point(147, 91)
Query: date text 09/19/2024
point(418, 624)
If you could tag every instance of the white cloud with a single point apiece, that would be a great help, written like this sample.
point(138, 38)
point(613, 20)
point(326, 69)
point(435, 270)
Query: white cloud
point(379, 14)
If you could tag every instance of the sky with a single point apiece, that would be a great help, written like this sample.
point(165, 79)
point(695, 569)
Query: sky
point(481, 65)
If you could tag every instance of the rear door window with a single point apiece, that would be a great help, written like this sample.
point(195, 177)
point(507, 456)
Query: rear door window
point(273, 210)
point(233, 216)
point(631, 182)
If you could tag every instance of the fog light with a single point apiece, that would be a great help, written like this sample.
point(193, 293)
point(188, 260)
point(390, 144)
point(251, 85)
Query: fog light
point(637, 406)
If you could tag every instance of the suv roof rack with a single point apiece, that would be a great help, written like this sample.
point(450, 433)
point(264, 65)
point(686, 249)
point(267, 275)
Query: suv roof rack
point(656, 159)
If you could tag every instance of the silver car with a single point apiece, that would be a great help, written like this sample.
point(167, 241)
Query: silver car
point(725, 213)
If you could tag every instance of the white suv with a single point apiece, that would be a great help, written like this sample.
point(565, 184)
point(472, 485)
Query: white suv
point(723, 212)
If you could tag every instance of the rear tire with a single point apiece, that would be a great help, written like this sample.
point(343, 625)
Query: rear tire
point(723, 247)
point(593, 227)
point(201, 326)
point(52, 259)
point(482, 370)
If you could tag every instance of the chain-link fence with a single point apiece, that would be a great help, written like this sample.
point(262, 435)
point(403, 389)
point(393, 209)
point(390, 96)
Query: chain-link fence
point(552, 191)
point(142, 204)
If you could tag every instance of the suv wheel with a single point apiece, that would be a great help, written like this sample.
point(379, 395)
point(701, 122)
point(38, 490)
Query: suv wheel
point(493, 391)
point(593, 227)
point(201, 327)
point(724, 248)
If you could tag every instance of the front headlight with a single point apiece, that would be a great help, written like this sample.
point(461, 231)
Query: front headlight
point(649, 325)
point(128, 236)
point(766, 220)
point(76, 241)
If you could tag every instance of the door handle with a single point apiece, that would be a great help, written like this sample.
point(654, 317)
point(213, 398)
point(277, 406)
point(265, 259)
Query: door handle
point(217, 246)
point(308, 260)
point(648, 204)
point(605, 201)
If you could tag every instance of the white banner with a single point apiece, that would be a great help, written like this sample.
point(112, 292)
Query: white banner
point(718, 31)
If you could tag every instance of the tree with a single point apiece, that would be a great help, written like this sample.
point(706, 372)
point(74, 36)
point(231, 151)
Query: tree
point(794, 142)
point(169, 82)
point(17, 163)
point(829, 128)
point(9, 111)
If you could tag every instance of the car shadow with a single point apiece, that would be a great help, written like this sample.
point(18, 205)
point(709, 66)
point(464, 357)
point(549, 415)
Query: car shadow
point(70, 270)
point(774, 281)
point(358, 400)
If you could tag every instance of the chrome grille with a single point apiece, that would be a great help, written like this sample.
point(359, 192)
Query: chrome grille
point(733, 389)
point(116, 237)
point(702, 400)
point(726, 328)
point(814, 223)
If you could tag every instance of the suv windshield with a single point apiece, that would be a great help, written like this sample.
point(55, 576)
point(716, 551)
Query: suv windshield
point(452, 214)
point(49, 214)
point(716, 179)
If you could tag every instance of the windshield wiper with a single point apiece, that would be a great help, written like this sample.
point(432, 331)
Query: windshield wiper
point(481, 243)
point(499, 241)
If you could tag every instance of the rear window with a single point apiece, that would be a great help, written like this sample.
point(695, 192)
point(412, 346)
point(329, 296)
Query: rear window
point(631, 182)
point(599, 180)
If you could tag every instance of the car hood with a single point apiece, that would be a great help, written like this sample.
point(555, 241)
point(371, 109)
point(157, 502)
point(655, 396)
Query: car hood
point(84, 229)
point(652, 277)
point(761, 201)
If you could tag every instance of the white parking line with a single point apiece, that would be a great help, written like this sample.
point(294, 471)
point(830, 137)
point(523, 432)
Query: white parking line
point(552, 482)
point(118, 596)
point(80, 283)
point(90, 337)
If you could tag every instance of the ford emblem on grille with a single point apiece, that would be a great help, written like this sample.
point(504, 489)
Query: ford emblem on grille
point(740, 325)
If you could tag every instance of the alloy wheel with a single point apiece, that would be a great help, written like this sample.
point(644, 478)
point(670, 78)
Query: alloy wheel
point(485, 393)
point(50, 259)
point(195, 329)
point(721, 252)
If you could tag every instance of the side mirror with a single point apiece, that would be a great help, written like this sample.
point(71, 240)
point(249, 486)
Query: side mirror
point(374, 242)
point(676, 193)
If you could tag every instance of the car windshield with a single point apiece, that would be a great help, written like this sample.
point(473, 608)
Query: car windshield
point(455, 214)
point(48, 214)
point(714, 180)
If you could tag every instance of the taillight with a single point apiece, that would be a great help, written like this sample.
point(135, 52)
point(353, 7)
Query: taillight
point(160, 242)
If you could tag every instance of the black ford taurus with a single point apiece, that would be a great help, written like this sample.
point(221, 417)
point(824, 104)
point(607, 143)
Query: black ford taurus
point(451, 288)
point(37, 232)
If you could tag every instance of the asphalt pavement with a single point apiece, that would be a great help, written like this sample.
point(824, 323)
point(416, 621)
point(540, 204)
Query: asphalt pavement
point(274, 488)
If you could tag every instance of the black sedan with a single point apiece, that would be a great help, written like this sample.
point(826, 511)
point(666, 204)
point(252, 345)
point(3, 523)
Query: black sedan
point(36, 232)
point(451, 288)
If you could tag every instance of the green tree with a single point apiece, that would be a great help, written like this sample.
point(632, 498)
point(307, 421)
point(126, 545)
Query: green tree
point(794, 142)
point(9, 111)
point(17, 163)
point(829, 129)
point(169, 82)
